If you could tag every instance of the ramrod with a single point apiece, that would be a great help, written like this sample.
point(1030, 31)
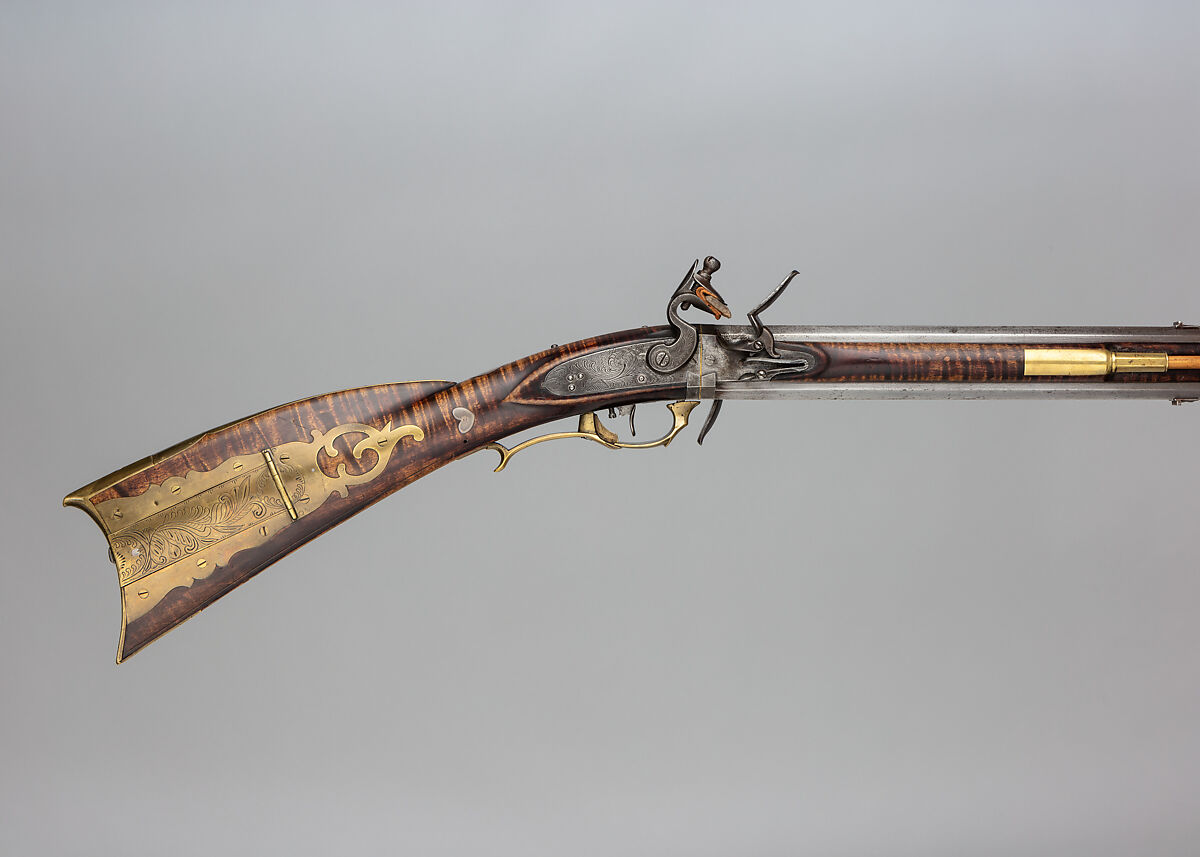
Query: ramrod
point(189, 524)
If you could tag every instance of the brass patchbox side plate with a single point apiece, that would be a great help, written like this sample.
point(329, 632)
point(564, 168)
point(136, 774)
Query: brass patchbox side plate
point(179, 532)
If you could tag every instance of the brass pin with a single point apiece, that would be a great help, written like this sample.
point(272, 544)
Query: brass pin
point(278, 480)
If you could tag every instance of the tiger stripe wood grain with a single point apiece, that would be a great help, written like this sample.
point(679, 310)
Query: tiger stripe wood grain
point(503, 402)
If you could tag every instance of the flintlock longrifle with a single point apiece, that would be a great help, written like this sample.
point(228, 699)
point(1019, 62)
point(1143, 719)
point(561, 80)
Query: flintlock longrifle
point(189, 524)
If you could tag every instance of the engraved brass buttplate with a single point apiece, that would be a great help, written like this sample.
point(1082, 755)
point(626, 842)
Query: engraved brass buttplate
point(179, 532)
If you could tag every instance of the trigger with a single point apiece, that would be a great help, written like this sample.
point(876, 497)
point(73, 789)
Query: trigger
point(710, 419)
point(613, 413)
point(629, 409)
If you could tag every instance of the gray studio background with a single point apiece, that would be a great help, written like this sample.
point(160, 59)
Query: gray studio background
point(838, 628)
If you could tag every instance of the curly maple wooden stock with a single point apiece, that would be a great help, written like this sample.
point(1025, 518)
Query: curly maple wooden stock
point(500, 403)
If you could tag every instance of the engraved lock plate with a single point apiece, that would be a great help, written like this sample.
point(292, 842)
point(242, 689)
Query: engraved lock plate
point(179, 532)
point(609, 370)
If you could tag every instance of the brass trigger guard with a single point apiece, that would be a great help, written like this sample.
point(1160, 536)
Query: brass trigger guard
point(590, 428)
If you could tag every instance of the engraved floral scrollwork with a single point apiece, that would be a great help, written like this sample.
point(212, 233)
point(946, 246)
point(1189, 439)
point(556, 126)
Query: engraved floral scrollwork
point(607, 366)
point(194, 524)
point(622, 367)
point(182, 530)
